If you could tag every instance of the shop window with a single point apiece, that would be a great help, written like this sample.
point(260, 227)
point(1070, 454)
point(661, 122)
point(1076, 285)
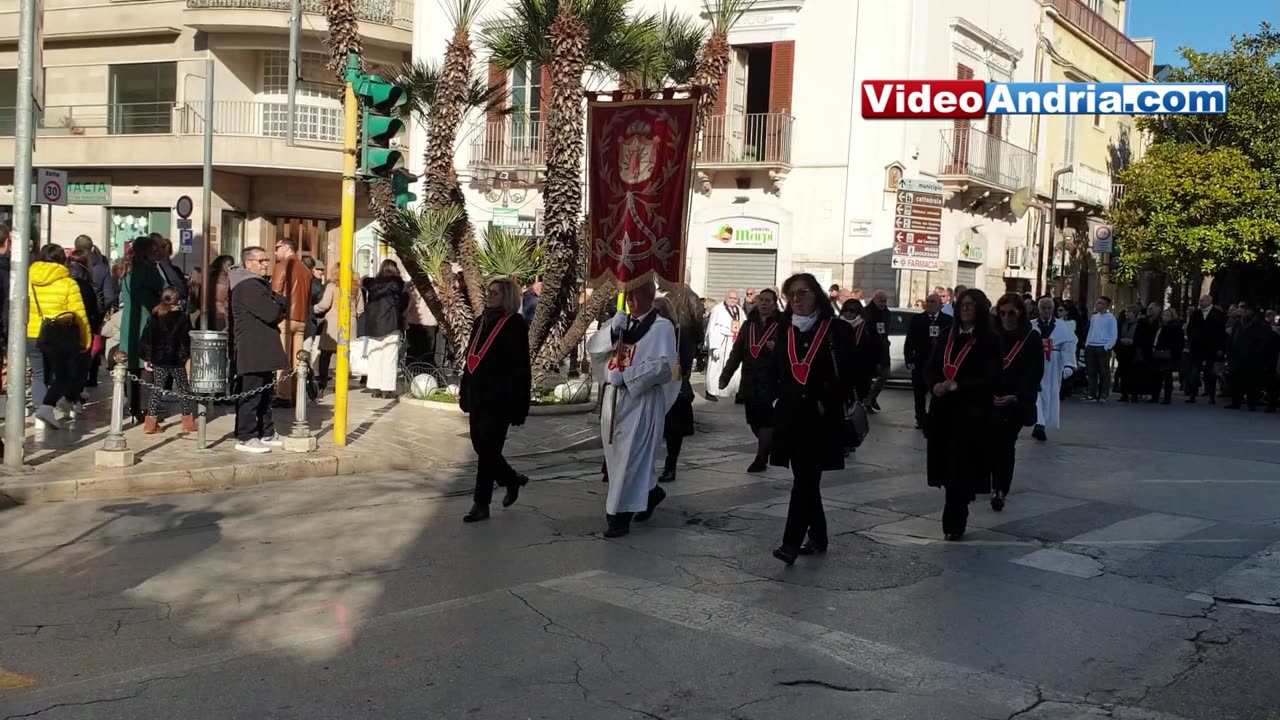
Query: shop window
point(142, 98)
point(8, 93)
point(130, 223)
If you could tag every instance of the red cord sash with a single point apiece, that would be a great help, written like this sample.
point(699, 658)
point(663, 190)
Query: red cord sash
point(949, 369)
point(756, 346)
point(799, 368)
point(474, 358)
point(1008, 359)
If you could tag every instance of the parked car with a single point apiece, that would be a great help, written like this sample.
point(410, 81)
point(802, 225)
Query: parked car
point(899, 321)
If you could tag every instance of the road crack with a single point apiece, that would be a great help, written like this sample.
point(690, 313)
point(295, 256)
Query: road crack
point(142, 688)
point(838, 688)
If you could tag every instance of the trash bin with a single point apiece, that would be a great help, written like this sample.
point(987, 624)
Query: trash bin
point(210, 362)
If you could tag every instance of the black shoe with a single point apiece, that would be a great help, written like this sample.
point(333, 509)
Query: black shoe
point(813, 548)
point(478, 512)
point(1124, 398)
point(786, 554)
point(954, 537)
point(1191, 400)
point(1213, 400)
point(656, 496)
point(875, 406)
point(760, 465)
point(919, 425)
point(1038, 433)
point(712, 398)
point(997, 502)
point(871, 409)
point(513, 490)
point(618, 525)
point(668, 475)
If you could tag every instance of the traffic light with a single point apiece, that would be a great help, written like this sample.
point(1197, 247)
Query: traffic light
point(401, 183)
point(378, 101)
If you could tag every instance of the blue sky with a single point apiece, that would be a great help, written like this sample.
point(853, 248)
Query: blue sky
point(1201, 24)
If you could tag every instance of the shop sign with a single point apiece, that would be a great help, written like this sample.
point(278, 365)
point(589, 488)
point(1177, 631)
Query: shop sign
point(746, 233)
point(971, 249)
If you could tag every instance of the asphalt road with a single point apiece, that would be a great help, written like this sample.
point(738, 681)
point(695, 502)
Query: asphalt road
point(1134, 575)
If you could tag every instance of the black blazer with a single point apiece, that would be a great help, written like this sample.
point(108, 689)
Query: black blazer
point(1021, 377)
point(875, 318)
point(918, 346)
point(499, 386)
point(384, 308)
point(809, 418)
point(256, 313)
point(1208, 335)
point(757, 385)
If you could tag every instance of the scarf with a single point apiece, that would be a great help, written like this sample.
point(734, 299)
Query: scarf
point(804, 323)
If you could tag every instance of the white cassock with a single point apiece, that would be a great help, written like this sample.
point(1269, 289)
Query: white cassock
point(1059, 363)
point(722, 332)
point(632, 415)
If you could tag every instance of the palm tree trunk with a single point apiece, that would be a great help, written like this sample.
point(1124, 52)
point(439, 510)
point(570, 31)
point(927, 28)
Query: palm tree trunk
point(563, 194)
point(559, 344)
point(713, 63)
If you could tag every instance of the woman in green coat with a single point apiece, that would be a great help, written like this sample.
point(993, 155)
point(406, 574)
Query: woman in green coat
point(140, 289)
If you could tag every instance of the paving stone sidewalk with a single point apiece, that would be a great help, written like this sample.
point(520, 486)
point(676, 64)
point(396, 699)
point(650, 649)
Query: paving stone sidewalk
point(383, 435)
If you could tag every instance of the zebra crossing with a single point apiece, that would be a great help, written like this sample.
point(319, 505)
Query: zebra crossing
point(1230, 563)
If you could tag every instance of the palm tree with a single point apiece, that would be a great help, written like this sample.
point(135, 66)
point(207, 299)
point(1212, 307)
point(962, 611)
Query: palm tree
point(507, 255)
point(421, 240)
point(422, 81)
point(571, 37)
point(671, 54)
point(713, 62)
point(344, 33)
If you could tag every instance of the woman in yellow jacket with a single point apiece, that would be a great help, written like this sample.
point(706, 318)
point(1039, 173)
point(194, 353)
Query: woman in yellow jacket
point(53, 295)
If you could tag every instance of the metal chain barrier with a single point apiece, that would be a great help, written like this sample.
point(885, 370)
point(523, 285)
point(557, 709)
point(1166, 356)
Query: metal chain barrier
point(212, 398)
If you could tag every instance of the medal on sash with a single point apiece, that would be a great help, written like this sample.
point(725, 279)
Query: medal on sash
point(474, 357)
point(880, 328)
point(622, 357)
point(1048, 349)
point(756, 346)
point(1008, 359)
point(800, 368)
point(734, 326)
point(933, 331)
point(949, 368)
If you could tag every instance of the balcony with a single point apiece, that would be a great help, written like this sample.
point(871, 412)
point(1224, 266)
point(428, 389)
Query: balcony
point(972, 158)
point(397, 13)
point(164, 134)
point(1077, 14)
point(387, 23)
point(759, 140)
point(1087, 186)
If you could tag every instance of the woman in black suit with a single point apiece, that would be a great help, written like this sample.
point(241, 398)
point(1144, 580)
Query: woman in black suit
point(961, 375)
point(1166, 354)
point(813, 376)
point(753, 352)
point(1015, 390)
point(495, 393)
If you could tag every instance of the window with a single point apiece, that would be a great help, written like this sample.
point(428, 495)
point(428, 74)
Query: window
point(275, 75)
point(319, 111)
point(232, 235)
point(526, 97)
point(142, 98)
point(1096, 6)
point(8, 95)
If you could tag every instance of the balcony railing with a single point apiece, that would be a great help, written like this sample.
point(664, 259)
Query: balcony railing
point(315, 123)
point(1086, 184)
point(754, 139)
point(971, 153)
point(398, 13)
point(1106, 34)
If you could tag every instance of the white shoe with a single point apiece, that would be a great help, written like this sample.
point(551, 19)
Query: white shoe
point(253, 447)
point(274, 441)
point(64, 408)
point(46, 413)
point(77, 410)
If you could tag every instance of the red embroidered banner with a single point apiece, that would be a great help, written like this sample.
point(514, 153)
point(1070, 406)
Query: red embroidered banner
point(639, 165)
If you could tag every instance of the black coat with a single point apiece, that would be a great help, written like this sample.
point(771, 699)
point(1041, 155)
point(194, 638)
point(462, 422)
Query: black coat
point(1253, 348)
point(384, 306)
point(1021, 377)
point(1144, 339)
point(1208, 335)
point(878, 320)
point(167, 340)
point(757, 385)
point(1169, 340)
point(809, 418)
point(679, 420)
point(919, 344)
point(499, 385)
point(866, 356)
point(255, 317)
point(959, 422)
point(92, 303)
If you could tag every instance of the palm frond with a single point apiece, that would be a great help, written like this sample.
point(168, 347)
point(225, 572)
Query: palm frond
point(724, 14)
point(422, 79)
point(616, 41)
point(507, 255)
point(522, 34)
point(681, 37)
point(420, 236)
point(462, 14)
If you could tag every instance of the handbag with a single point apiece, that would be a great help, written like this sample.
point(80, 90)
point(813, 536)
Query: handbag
point(59, 335)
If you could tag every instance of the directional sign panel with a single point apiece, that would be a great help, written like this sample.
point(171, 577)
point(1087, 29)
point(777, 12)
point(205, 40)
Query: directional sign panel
point(918, 211)
point(910, 223)
point(917, 225)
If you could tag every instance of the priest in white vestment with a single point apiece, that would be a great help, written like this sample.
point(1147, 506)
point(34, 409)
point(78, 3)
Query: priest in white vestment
point(636, 355)
point(1059, 364)
point(722, 333)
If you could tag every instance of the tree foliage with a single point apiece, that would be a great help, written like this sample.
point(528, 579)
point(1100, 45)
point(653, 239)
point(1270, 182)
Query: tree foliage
point(1190, 209)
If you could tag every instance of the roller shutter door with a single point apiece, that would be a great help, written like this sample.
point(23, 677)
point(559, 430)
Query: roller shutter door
point(967, 274)
point(738, 270)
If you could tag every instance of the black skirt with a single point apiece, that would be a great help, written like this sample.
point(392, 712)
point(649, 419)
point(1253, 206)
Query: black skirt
point(759, 414)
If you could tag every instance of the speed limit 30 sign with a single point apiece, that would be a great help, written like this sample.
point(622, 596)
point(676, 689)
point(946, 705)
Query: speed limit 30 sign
point(51, 187)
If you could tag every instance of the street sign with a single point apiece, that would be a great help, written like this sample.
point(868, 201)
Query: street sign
point(52, 186)
point(917, 224)
point(184, 223)
point(184, 206)
point(1103, 239)
point(186, 240)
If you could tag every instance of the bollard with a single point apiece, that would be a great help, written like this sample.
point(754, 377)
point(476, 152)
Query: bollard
point(115, 452)
point(300, 439)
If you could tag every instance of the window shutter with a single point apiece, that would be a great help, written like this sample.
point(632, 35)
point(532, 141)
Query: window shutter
point(995, 126)
point(780, 76)
point(722, 97)
point(495, 133)
point(960, 139)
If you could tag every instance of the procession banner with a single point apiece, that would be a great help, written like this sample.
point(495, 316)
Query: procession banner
point(639, 166)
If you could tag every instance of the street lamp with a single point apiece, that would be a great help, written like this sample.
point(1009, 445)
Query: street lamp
point(1042, 275)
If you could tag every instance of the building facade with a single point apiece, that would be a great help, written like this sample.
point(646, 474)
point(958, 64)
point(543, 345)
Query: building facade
point(789, 177)
point(123, 113)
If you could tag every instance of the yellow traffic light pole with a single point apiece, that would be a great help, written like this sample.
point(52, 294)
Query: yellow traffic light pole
point(342, 379)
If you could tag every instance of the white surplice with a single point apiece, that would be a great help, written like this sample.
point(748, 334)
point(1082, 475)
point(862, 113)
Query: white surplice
point(722, 331)
point(1059, 354)
point(632, 416)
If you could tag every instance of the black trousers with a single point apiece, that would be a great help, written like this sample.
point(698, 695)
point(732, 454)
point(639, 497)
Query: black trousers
point(488, 437)
point(805, 513)
point(1004, 439)
point(955, 513)
point(1247, 386)
point(1202, 365)
point(1163, 381)
point(253, 414)
point(421, 340)
point(59, 378)
point(323, 363)
point(674, 445)
point(921, 393)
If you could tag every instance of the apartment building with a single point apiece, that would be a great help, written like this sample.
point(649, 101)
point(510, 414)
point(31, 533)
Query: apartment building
point(1079, 41)
point(123, 113)
point(789, 177)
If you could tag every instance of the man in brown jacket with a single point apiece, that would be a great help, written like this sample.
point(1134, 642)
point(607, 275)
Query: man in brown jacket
point(292, 280)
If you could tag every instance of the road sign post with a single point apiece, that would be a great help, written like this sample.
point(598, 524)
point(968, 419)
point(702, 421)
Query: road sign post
point(917, 225)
